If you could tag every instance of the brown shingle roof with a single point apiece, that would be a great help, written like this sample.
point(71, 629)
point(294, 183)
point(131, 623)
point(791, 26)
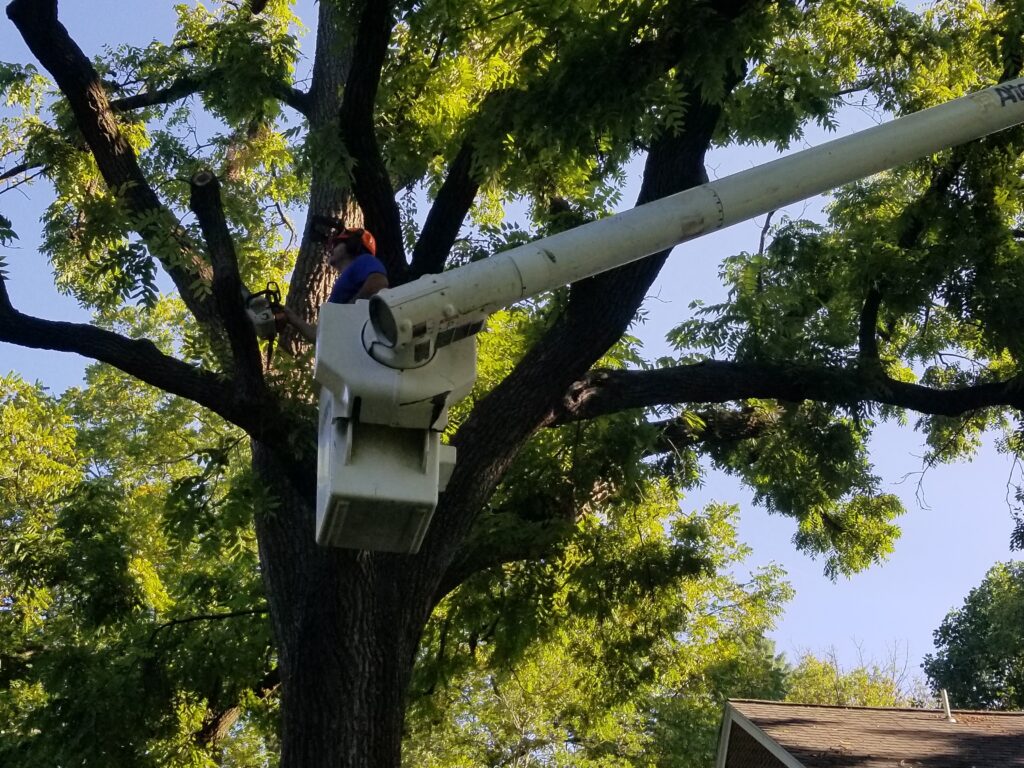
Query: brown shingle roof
point(871, 737)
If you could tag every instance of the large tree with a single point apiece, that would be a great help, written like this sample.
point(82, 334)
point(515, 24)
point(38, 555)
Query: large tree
point(909, 302)
point(979, 647)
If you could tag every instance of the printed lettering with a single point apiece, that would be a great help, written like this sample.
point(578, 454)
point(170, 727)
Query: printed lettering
point(1006, 93)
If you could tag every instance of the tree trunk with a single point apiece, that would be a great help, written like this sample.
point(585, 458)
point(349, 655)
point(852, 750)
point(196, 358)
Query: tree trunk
point(347, 624)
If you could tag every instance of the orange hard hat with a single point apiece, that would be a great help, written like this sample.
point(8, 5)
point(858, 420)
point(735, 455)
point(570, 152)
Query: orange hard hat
point(364, 236)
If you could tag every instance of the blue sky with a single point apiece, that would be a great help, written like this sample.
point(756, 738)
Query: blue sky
point(949, 541)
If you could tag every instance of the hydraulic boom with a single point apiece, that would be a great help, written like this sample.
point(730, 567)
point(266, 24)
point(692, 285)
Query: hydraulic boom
point(420, 310)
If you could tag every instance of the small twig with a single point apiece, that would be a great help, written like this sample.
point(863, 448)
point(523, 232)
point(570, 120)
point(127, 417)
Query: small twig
point(941, 357)
point(863, 85)
point(764, 232)
point(196, 454)
point(208, 617)
point(287, 223)
point(179, 89)
point(492, 19)
point(867, 336)
point(1009, 483)
point(22, 182)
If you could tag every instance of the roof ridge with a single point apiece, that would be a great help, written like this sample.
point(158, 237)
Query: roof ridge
point(938, 711)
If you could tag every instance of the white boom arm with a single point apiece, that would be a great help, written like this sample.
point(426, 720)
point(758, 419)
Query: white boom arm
point(390, 370)
point(419, 311)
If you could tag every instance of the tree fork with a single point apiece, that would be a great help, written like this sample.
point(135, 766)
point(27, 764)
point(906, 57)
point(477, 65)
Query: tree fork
point(598, 313)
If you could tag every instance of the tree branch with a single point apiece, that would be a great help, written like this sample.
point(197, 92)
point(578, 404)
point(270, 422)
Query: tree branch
point(78, 80)
point(205, 202)
point(186, 86)
point(371, 182)
point(860, 85)
point(457, 193)
point(868, 333)
point(137, 357)
point(604, 392)
point(718, 426)
point(293, 97)
point(495, 542)
point(599, 310)
point(17, 170)
point(217, 725)
point(179, 89)
point(24, 180)
point(453, 201)
point(261, 417)
point(208, 617)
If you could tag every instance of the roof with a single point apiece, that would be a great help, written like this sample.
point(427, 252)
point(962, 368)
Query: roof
point(875, 737)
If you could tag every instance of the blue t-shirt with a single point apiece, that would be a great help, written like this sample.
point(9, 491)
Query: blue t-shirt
point(351, 279)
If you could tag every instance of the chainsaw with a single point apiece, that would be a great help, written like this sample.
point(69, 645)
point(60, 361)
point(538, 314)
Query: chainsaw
point(265, 311)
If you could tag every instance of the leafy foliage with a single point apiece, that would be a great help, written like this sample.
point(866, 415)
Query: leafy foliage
point(816, 680)
point(936, 244)
point(979, 645)
point(619, 651)
point(105, 564)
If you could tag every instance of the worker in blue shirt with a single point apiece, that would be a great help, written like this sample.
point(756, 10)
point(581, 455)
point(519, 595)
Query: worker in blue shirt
point(353, 252)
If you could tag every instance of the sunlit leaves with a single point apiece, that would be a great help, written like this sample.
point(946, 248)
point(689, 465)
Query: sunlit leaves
point(823, 681)
point(38, 467)
point(21, 85)
point(246, 55)
point(101, 570)
point(813, 466)
point(617, 652)
point(979, 647)
point(854, 534)
point(553, 97)
point(816, 56)
point(236, 60)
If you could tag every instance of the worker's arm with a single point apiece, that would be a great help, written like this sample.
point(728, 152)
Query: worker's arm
point(374, 283)
point(308, 330)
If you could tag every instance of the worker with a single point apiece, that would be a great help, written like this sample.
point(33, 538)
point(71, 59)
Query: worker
point(353, 252)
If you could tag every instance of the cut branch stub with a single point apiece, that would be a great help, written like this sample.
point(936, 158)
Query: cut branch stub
point(203, 179)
